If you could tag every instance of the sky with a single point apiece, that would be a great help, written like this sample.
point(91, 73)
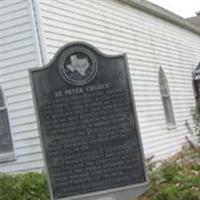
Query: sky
point(183, 8)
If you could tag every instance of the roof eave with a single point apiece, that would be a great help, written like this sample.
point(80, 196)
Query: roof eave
point(162, 13)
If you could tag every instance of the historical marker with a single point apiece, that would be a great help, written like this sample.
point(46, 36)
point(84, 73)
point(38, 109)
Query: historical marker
point(88, 125)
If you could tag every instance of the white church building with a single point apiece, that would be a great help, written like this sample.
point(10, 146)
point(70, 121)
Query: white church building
point(163, 52)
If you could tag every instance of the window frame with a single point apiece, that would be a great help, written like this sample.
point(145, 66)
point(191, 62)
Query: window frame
point(166, 100)
point(196, 83)
point(10, 155)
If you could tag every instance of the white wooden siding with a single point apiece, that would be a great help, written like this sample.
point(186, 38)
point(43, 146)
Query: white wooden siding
point(115, 27)
point(18, 52)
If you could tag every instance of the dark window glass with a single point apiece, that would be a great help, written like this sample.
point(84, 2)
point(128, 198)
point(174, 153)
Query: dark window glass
point(196, 83)
point(2, 103)
point(6, 144)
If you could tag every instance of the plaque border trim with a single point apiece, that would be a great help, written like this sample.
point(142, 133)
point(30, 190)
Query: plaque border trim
point(102, 193)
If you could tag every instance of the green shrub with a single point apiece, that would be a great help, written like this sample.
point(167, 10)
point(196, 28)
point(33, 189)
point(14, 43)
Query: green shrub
point(190, 195)
point(177, 178)
point(30, 186)
point(169, 193)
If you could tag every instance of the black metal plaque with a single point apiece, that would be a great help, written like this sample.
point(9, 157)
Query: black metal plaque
point(87, 121)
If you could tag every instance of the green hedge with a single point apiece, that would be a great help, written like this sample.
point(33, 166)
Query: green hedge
point(177, 178)
point(30, 186)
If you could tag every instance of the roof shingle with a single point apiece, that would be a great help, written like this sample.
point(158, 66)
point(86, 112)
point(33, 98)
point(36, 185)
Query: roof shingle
point(195, 20)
